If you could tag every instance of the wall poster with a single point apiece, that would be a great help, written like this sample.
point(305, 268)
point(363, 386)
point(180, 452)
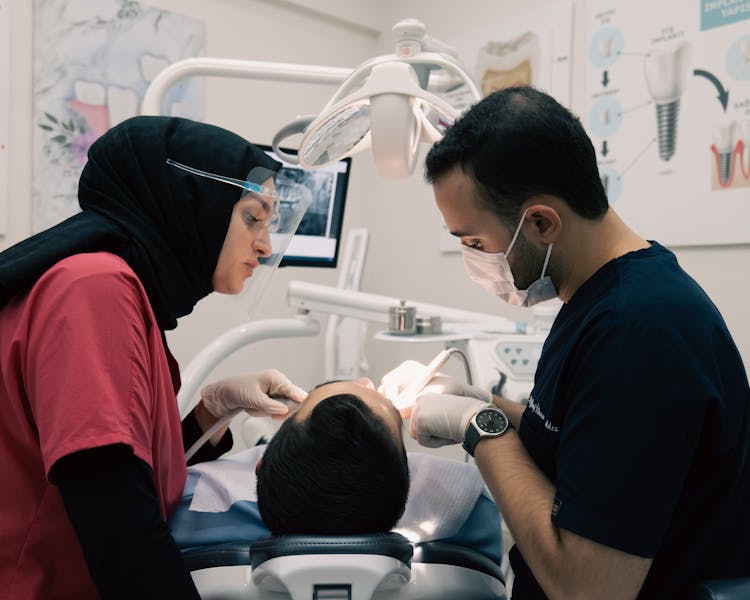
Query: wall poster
point(92, 64)
point(534, 49)
point(668, 108)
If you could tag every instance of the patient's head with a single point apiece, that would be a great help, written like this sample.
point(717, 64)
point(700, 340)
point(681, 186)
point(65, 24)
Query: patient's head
point(337, 466)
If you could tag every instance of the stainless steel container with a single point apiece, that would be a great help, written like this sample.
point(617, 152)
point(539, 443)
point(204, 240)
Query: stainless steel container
point(402, 319)
point(429, 325)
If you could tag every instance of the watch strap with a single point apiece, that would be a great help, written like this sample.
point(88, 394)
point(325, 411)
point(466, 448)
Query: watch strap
point(471, 438)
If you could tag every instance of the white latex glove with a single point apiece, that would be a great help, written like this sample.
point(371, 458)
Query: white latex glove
point(254, 393)
point(440, 419)
point(394, 382)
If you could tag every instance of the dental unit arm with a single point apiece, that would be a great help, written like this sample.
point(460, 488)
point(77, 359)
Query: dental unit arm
point(310, 297)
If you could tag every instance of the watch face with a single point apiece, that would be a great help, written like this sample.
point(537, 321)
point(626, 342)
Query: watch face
point(491, 421)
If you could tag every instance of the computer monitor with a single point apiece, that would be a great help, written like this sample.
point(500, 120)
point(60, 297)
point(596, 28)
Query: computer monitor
point(316, 242)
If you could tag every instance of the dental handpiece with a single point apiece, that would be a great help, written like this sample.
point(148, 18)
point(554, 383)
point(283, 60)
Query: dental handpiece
point(408, 396)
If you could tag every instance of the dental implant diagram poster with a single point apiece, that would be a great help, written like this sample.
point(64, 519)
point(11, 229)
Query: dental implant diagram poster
point(92, 64)
point(668, 110)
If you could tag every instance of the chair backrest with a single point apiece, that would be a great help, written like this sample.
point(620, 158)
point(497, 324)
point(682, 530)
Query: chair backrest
point(389, 544)
point(352, 567)
point(723, 589)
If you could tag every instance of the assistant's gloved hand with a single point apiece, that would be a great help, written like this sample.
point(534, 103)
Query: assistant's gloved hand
point(254, 393)
point(396, 380)
point(440, 419)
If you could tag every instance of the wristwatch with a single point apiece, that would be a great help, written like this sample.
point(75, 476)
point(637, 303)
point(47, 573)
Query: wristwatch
point(487, 422)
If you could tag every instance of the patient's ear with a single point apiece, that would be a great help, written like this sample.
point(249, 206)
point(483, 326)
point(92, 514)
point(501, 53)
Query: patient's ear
point(257, 466)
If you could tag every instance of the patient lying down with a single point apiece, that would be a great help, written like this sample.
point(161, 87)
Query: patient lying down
point(336, 467)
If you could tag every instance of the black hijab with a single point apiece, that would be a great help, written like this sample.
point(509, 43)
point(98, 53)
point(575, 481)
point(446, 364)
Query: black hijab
point(167, 224)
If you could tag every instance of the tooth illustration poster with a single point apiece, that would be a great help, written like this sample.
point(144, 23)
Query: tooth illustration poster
point(97, 61)
point(668, 109)
point(532, 49)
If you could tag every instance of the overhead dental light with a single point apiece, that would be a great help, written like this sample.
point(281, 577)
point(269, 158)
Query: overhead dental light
point(390, 103)
point(386, 104)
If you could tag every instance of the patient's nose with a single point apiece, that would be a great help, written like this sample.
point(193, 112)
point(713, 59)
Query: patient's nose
point(365, 382)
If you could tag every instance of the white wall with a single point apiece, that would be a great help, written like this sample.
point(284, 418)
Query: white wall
point(403, 259)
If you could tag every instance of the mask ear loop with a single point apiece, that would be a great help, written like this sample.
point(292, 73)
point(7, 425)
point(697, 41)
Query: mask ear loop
point(546, 260)
point(515, 237)
point(518, 231)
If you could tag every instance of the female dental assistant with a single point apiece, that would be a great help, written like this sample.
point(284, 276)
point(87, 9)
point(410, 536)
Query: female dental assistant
point(91, 443)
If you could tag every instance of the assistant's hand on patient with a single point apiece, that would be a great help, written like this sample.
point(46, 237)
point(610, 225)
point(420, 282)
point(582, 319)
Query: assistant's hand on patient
point(253, 393)
point(441, 419)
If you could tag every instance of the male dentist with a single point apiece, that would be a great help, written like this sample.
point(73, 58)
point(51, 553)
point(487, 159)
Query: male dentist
point(628, 473)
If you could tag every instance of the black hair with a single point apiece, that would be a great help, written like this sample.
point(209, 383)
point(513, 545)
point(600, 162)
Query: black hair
point(518, 143)
point(338, 472)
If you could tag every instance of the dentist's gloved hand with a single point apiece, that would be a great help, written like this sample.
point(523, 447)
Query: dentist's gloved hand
point(396, 380)
point(254, 393)
point(440, 419)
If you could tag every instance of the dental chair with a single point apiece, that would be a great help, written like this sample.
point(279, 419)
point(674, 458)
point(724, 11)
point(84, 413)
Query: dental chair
point(382, 566)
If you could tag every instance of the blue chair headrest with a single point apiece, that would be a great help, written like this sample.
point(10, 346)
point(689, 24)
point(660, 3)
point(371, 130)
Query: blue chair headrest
point(390, 544)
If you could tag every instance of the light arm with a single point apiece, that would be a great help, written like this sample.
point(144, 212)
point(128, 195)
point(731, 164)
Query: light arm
point(240, 69)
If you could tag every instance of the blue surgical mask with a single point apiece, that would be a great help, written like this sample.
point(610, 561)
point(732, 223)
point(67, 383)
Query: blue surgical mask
point(492, 271)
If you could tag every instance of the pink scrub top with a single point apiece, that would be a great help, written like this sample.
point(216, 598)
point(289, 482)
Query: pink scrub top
point(82, 365)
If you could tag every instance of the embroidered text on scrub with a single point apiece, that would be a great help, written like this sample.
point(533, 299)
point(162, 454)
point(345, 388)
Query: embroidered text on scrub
point(535, 408)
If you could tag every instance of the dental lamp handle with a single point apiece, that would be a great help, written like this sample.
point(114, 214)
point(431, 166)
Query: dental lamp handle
point(293, 128)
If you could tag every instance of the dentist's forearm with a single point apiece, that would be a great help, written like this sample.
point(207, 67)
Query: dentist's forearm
point(524, 496)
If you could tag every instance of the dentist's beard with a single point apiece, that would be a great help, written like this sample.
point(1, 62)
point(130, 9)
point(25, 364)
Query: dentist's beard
point(526, 262)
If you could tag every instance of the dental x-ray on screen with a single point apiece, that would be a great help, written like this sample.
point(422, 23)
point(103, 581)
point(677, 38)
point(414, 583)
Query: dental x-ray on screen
point(316, 242)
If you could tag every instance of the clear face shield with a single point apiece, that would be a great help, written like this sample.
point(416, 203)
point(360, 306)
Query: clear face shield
point(279, 205)
point(291, 200)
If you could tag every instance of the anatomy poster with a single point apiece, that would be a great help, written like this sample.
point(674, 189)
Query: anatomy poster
point(668, 109)
point(534, 49)
point(92, 64)
point(4, 111)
